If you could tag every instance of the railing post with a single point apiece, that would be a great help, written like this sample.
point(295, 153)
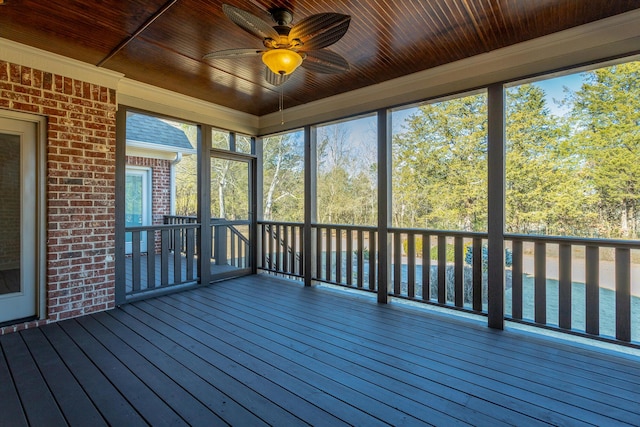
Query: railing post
point(310, 205)
point(496, 204)
point(204, 243)
point(384, 205)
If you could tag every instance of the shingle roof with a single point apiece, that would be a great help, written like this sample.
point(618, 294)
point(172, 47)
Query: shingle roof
point(152, 130)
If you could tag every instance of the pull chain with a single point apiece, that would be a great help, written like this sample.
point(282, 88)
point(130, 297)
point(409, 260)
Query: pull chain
point(281, 105)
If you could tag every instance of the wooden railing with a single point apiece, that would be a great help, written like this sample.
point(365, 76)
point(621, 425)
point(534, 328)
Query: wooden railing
point(230, 246)
point(346, 255)
point(439, 267)
point(577, 285)
point(148, 269)
point(281, 248)
point(582, 286)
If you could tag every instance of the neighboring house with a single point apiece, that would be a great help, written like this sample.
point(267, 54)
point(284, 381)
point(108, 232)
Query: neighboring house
point(154, 147)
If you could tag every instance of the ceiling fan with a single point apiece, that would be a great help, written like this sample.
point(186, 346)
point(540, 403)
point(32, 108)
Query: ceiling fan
point(286, 46)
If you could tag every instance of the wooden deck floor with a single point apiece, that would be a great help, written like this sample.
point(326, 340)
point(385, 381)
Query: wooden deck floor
point(262, 351)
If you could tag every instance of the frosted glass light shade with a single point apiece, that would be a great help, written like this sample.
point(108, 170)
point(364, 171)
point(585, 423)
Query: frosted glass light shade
point(282, 61)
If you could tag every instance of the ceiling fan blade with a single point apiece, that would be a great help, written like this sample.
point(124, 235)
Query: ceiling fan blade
point(325, 61)
point(250, 23)
point(232, 53)
point(273, 78)
point(318, 31)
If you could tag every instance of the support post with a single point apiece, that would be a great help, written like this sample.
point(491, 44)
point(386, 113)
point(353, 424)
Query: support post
point(204, 204)
point(310, 203)
point(384, 205)
point(257, 149)
point(496, 205)
point(121, 165)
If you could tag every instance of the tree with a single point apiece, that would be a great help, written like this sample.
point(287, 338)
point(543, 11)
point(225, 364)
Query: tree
point(545, 189)
point(605, 117)
point(440, 166)
point(283, 178)
point(347, 190)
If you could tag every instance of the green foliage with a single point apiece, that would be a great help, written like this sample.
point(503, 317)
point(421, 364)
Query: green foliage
point(605, 116)
point(451, 254)
point(418, 246)
point(440, 168)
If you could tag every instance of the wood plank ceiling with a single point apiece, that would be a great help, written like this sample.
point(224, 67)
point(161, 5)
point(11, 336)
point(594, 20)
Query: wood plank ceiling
point(386, 39)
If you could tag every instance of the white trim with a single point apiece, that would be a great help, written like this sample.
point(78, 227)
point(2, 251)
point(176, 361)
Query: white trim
point(617, 35)
point(152, 149)
point(28, 56)
point(40, 211)
point(154, 99)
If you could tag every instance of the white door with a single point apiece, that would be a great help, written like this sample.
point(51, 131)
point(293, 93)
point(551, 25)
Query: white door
point(137, 204)
point(18, 220)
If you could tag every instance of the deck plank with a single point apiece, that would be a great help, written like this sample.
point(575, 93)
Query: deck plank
point(39, 405)
point(112, 405)
point(249, 370)
point(74, 404)
point(177, 398)
point(376, 361)
point(260, 350)
point(602, 398)
point(236, 385)
point(353, 407)
point(154, 410)
point(336, 365)
point(10, 407)
point(176, 362)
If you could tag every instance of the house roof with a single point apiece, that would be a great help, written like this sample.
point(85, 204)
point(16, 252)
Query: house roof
point(162, 43)
point(151, 131)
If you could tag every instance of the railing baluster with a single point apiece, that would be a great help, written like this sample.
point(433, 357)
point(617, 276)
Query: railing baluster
point(360, 256)
point(234, 246)
point(270, 249)
point(540, 260)
point(300, 255)
point(397, 262)
point(278, 252)
point(411, 265)
point(292, 251)
point(151, 259)
point(623, 294)
point(328, 248)
point(458, 272)
point(339, 255)
point(564, 286)
point(164, 257)
point(592, 291)
point(285, 248)
point(442, 269)
point(319, 240)
point(476, 269)
point(265, 238)
point(136, 260)
point(349, 257)
point(177, 258)
point(191, 244)
point(516, 280)
point(426, 267)
point(373, 255)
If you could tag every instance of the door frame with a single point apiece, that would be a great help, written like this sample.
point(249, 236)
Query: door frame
point(40, 249)
point(147, 203)
point(251, 161)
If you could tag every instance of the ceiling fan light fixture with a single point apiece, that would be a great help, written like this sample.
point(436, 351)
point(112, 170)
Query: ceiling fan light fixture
point(282, 61)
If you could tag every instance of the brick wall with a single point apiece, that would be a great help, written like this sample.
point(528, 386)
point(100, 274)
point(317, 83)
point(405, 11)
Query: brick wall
point(80, 186)
point(160, 188)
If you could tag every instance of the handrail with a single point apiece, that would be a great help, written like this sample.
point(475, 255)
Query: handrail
point(542, 273)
